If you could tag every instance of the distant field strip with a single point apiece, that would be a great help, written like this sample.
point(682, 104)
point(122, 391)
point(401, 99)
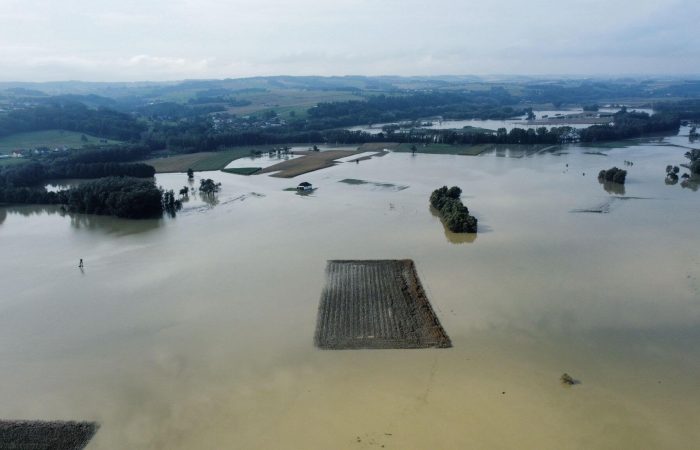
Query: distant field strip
point(50, 139)
point(310, 162)
point(363, 155)
point(376, 304)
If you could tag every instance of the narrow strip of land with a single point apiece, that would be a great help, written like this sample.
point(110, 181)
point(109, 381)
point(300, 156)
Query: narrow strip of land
point(308, 163)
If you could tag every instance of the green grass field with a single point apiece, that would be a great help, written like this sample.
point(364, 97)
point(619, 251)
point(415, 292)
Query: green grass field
point(12, 161)
point(48, 138)
point(444, 149)
point(204, 160)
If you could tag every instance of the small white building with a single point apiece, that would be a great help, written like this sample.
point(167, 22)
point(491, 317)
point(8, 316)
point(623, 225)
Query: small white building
point(305, 186)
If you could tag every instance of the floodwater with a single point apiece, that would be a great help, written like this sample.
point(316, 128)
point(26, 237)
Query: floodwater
point(508, 124)
point(261, 161)
point(197, 332)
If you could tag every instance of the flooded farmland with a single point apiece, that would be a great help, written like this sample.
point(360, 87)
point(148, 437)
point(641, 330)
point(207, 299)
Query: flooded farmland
point(198, 331)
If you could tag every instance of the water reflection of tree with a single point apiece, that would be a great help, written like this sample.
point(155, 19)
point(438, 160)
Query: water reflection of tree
point(113, 225)
point(211, 199)
point(613, 188)
point(453, 238)
point(692, 183)
point(90, 222)
point(35, 210)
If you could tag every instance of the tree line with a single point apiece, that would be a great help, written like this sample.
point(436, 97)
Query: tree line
point(72, 116)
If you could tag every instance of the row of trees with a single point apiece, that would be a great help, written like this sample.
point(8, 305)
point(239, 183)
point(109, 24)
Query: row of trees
point(631, 124)
point(126, 197)
point(72, 116)
point(493, 104)
point(34, 173)
point(453, 212)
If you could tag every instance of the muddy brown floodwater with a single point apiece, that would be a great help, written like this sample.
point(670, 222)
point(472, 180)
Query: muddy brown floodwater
point(197, 332)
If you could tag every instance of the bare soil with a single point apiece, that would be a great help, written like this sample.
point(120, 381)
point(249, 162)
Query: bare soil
point(25, 434)
point(376, 304)
point(310, 162)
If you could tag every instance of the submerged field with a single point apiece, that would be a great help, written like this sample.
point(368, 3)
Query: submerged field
point(376, 304)
point(198, 331)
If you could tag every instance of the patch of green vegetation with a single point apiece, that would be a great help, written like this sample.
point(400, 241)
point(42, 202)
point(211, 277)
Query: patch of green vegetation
point(355, 181)
point(12, 161)
point(453, 213)
point(444, 149)
point(607, 144)
point(50, 139)
point(477, 130)
point(242, 170)
point(203, 161)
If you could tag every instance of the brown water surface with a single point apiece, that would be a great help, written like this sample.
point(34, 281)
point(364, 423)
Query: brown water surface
point(197, 332)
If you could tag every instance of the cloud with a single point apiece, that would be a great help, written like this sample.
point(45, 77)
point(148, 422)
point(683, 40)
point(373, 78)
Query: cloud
point(175, 39)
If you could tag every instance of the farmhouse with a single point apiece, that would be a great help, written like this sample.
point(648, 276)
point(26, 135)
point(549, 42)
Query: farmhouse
point(304, 186)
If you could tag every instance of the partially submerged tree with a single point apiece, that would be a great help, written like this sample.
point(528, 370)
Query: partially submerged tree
point(613, 174)
point(190, 173)
point(208, 186)
point(170, 204)
point(455, 215)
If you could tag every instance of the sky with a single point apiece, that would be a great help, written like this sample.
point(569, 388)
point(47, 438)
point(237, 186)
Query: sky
point(136, 40)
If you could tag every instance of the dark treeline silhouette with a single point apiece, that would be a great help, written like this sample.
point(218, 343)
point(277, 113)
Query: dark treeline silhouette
point(72, 116)
point(493, 104)
point(197, 138)
point(126, 197)
point(23, 183)
point(176, 111)
point(34, 173)
point(631, 124)
point(120, 153)
point(613, 174)
point(685, 109)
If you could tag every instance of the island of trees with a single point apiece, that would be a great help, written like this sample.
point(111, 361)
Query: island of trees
point(613, 174)
point(119, 189)
point(454, 214)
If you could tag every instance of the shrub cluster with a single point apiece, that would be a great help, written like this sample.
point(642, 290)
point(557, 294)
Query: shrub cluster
point(614, 174)
point(453, 212)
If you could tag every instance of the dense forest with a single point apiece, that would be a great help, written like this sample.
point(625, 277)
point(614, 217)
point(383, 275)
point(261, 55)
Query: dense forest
point(495, 103)
point(72, 116)
point(131, 198)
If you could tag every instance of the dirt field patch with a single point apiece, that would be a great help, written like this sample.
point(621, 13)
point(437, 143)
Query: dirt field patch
point(376, 304)
point(196, 161)
point(308, 163)
point(24, 434)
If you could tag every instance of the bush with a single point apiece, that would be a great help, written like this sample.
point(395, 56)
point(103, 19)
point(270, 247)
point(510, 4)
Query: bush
point(453, 212)
point(614, 174)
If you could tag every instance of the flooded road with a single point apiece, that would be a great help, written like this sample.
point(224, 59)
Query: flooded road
point(197, 332)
